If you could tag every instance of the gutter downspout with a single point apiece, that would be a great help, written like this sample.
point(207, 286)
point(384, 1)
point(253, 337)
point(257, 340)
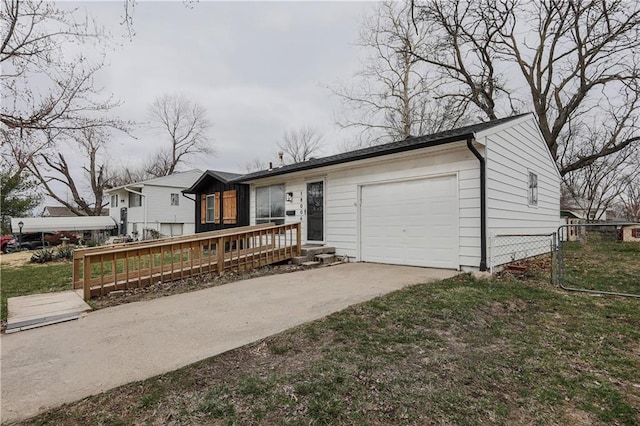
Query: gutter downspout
point(483, 204)
point(145, 206)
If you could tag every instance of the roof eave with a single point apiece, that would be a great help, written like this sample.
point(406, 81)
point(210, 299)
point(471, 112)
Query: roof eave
point(276, 172)
point(208, 173)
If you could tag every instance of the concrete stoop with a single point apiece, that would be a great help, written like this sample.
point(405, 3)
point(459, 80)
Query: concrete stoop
point(325, 258)
point(312, 256)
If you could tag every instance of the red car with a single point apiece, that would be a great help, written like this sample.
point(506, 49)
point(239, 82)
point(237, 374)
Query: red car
point(7, 241)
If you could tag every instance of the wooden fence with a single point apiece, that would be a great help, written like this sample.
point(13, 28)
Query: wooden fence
point(100, 270)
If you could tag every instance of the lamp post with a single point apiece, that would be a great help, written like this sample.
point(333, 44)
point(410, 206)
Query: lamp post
point(20, 225)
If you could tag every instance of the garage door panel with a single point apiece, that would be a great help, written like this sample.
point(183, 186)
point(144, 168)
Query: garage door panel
point(410, 222)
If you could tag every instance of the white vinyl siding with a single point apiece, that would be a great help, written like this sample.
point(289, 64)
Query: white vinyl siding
point(512, 154)
point(511, 150)
point(342, 189)
point(158, 194)
point(171, 229)
point(342, 209)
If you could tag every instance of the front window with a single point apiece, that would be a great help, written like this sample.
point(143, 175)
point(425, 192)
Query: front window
point(533, 189)
point(270, 204)
point(211, 208)
point(135, 200)
point(175, 200)
point(114, 201)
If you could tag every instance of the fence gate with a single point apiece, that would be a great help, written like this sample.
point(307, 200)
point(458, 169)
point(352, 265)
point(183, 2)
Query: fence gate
point(598, 258)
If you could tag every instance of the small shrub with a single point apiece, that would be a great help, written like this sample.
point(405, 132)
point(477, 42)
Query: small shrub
point(43, 256)
point(91, 243)
point(151, 234)
point(65, 253)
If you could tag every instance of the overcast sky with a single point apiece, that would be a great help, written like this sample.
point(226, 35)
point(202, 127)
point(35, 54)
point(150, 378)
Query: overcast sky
point(259, 68)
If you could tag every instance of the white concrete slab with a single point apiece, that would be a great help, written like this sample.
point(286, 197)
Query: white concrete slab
point(37, 310)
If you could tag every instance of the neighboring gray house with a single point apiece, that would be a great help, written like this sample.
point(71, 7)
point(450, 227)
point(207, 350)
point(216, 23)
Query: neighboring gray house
point(155, 204)
point(432, 201)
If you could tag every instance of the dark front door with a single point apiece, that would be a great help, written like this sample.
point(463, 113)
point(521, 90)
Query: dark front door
point(315, 211)
point(123, 221)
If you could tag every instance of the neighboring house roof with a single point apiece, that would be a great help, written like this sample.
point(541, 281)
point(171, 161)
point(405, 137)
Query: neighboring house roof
point(176, 180)
point(57, 211)
point(569, 214)
point(61, 211)
point(449, 136)
point(224, 177)
point(574, 207)
point(52, 224)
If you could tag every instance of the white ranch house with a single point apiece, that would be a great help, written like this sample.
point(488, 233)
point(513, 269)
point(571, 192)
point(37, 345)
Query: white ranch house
point(156, 204)
point(432, 201)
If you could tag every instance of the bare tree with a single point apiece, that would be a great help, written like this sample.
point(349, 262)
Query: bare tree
point(579, 63)
point(186, 124)
point(598, 186)
point(52, 169)
point(631, 201)
point(300, 144)
point(393, 95)
point(125, 174)
point(255, 165)
point(43, 89)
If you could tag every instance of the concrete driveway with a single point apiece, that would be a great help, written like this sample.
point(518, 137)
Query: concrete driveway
point(50, 366)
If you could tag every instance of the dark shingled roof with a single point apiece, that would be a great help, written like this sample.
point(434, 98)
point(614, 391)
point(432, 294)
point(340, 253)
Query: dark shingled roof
point(216, 174)
point(449, 136)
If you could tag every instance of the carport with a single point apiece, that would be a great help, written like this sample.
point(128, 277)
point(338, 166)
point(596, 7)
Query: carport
point(58, 224)
point(94, 224)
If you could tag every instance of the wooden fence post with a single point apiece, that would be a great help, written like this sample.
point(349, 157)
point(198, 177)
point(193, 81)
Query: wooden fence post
point(87, 278)
point(220, 254)
point(76, 269)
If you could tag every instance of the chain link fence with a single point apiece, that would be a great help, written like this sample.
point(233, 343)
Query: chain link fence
point(523, 253)
point(599, 258)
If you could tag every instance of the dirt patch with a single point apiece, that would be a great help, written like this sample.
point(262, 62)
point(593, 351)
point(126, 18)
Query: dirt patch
point(14, 260)
point(199, 282)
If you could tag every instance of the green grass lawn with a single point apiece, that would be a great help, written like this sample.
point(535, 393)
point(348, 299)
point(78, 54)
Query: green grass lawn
point(460, 351)
point(604, 266)
point(32, 279)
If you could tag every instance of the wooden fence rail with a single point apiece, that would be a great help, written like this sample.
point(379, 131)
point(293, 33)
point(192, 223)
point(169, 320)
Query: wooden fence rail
point(100, 270)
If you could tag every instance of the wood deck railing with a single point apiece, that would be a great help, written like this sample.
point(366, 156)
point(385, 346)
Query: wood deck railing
point(100, 270)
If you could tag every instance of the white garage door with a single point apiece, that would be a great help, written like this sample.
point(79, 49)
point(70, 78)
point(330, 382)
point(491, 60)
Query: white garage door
point(411, 222)
point(171, 229)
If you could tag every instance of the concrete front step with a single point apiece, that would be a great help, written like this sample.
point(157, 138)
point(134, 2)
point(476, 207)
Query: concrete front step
point(310, 264)
point(312, 251)
point(325, 259)
point(299, 260)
